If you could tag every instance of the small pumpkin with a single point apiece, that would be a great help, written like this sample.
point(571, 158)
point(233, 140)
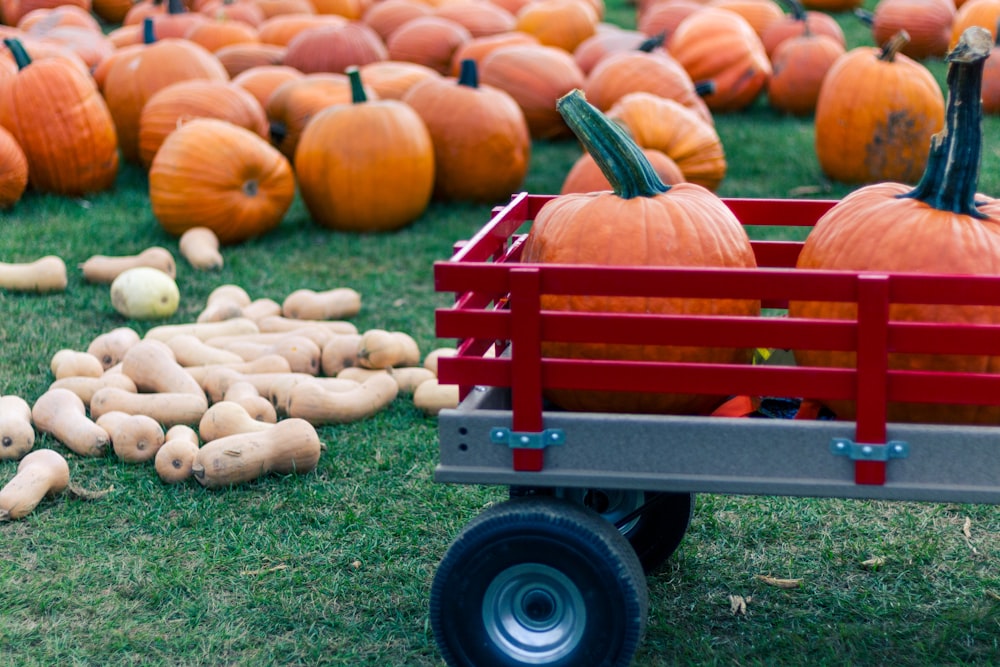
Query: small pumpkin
point(940, 226)
point(242, 192)
point(563, 24)
point(366, 166)
point(797, 22)
point(641, 222)
point(800, 64)
point(927, 22)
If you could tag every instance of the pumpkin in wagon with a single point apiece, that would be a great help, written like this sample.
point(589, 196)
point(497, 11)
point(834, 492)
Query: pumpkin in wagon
point(641, 222)
point(941, 226)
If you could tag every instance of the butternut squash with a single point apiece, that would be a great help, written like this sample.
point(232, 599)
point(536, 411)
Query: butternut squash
point(152, 366)
point(46, 274)
point(229, 292)
point(62, 414)
point(339, 353)
point(432, 396)
point(200, 247)
point(204, 330)
point(317, 334)
point(103, 269)
point(218, 379)
point(168, 408)
point(134, 438)
point(73, 363)
point(174, 459)
point(219, 310)
point(40, 474)
point(281, 389)
point(302, 353)
point(261, 308)
point(269, 364)
point(384, 349)
point(17, 434)
point(282, 323)
point(290, 446)
point(85, 387)
point(431, 359)
point(410, 377)
point(333, 304)
point(257, 406)
point(189, 350)
point(110, 346)
point(226, 418)
point(318, 406)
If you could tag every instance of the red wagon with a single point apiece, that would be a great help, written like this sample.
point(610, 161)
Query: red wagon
point(556, 575)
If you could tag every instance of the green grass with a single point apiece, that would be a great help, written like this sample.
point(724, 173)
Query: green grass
point(334, 567)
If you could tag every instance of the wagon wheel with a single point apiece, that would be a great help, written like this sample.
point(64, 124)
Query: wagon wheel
point(653, 522)
point(539, 581)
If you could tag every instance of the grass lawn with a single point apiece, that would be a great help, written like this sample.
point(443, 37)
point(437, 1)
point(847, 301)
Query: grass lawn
point(334, 567)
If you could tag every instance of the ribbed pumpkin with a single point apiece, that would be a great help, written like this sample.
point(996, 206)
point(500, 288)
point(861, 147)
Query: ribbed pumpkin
point(941, 226)
point(211, 173)
point(927, 22)
point(479, 47)
point(536, 76)
point(585, 174)
point(605, 42)
point(13, 170)
point(245, 11)
point(720, 46)
point(760, 14)
point(663, 17)
point(481, 140)
point(875, 115)
point(800, 64)
point(386, 15)
point(261, 81)
point(217, 33)
point(637, 70)
point(563, 24)
point(133, 78)
point(294, 103)
point(797, 22)
point(183, 101)
point(13, 11)
point(641, 222)
point(391, 79)
point(991, 81)
point(62, 124)
point(428, 40)
point(480, 18)
point(238, 58)
point(982, 13)
point(670, 127)
point(367, 166)
point(281, 29)
point(175, 22)
point(334, 48)
point(90, 45)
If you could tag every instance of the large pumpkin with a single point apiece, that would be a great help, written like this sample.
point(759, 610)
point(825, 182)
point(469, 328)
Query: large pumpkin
point(367, 166)
point(875, 115)
point(481, 141)
point(211, 173)
point(641, 222)
point(59, 119)
point(13, 170)
point(941, 226)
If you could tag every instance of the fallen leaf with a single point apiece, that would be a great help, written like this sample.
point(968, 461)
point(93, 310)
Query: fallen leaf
point(779, 583)
point(87, 494)
point(873, 563)
point(738, 605)
point(264, 570)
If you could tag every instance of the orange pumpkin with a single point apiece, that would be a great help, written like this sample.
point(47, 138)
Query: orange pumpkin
point(941, 226)
point(927, 22)
point(367, 166)
point(13, 11)
point(799, 21)
point(428, 40)
point(479, 47)
point(586, 176)
point(663, 17)
point(640, 222)
point(216, 33)
point(246, 11)
point(262, 80)
point(13, 170)
point(875, 115)
point(243, 191)
point(391, 79)
point(563, 24)
point(281, 29)
point(481, 142)
point(183, 101)
point(800, 65)
point(480, 18)
point(982, 13)
point(991, 82)
point(760, 14)
point(386, 15)
point(61, 122)
point(238, 58)
point(604, 43)
point(668, 126)
point(334, 48)
point(720, 46)
point(536, 76)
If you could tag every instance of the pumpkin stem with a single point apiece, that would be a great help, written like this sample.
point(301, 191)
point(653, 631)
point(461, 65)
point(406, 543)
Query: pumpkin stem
point(893, 45)
point(468, 75)
point(148, 30)
point(358, 95)
point(176, 7)
point(620, 159)
point(796, 9)
point(865, 16)
point(649, 45)
point(952, 175)
point(703, 88)
point(17, 49)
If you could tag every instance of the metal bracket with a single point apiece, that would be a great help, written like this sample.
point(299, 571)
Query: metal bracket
point(894, 449)
point(550, 436)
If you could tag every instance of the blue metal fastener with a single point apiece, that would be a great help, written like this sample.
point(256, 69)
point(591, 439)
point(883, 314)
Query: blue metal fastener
point(550, 436)
point(894, 449)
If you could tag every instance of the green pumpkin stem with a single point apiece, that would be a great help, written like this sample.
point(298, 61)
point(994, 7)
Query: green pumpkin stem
point(893, 45)
point(652, 43)
point(468, 75)
point(620, 159)
point(358, 95)
point(704, 88)
point(865, 16)
point(176, 7)
point(148, 30)
point(796, 9)
point(17, 49)
point(951, 177)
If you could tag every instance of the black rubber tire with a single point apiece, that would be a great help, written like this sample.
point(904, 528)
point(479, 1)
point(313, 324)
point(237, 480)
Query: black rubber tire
point(539, 581)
